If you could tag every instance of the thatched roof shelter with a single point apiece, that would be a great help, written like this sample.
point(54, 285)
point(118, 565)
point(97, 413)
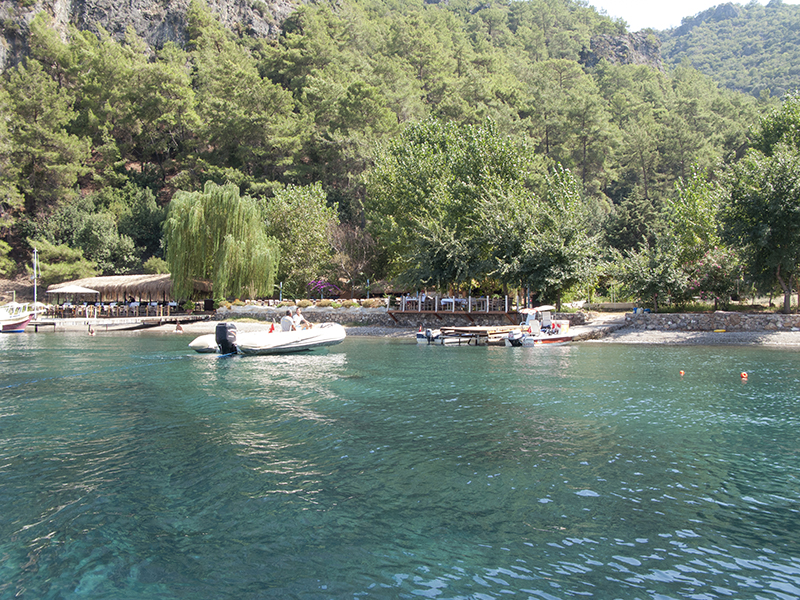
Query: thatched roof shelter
point(141, 287)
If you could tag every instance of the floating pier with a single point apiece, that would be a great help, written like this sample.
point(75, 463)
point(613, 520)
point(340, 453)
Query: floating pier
point(115, 323)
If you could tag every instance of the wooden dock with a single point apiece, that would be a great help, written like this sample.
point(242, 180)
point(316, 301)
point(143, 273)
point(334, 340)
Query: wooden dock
point(115, 323)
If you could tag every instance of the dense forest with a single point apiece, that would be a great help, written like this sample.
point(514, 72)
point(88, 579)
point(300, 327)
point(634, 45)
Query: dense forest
point(457, 145)
point(753, 48)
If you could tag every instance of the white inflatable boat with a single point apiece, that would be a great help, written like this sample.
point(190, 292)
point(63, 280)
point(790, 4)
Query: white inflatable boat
point(227, 340)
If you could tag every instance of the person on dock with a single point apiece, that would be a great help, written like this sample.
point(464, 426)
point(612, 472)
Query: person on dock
point(287, 323)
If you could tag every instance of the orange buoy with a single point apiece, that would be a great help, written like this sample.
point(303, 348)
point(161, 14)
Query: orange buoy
point(681, 372)
point(743, 375)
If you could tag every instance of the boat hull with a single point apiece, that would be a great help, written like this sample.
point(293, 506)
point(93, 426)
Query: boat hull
point(16, 326)
point(530, 341)
point(286, 342)
point(15, 317)
point(279, 342)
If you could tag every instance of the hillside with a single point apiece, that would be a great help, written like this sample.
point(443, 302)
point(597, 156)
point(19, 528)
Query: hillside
point(751, 48)
point(297, 108)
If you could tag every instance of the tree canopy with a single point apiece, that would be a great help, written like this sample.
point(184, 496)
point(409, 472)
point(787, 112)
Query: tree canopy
point(219, 236)
point(747, 47)
point(461, 145)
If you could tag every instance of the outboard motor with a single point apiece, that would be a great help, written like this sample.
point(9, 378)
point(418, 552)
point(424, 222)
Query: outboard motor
point(226, 338)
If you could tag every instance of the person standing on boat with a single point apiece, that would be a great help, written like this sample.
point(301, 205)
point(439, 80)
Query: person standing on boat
point(287, 323)
point(299, 320)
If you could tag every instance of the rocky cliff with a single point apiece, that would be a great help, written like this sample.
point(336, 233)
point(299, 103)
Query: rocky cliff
point(156, 21)
point(641, 48)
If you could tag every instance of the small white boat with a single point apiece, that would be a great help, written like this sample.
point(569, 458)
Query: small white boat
point(226, 340)
point(528, 340)
point(14, 317)
point(429, 336)
point(539, 329)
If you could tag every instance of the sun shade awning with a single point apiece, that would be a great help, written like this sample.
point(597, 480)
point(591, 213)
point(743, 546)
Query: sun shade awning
point(72, 289)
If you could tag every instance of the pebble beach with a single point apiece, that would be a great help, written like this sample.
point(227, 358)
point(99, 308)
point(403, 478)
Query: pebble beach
point(621, 335)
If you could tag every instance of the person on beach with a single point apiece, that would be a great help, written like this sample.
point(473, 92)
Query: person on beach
point(287, 323)
point(300, 320)
point(178, 328)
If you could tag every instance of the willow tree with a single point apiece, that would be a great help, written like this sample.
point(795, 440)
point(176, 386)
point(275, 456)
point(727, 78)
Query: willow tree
point(220, 236)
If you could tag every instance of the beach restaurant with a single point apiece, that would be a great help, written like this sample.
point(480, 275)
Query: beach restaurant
point(118, 295)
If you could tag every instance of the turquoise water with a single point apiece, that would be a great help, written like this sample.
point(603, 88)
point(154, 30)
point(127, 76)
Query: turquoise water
point(131, 467)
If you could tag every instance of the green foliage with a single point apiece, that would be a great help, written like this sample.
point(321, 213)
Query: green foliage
point(488, 98)
point(693, 215)
point(7, 265)
point(47, 158)
point(762, 216)
point(653, 274)
point(155, 266)
point(749, 48)
point(428, 194)
point(782, 125)
point(547, 245)
point(248, 121)
point(79, 224)
point(138, 216)
point(565, 250)
point(715, 276)
point(218, 236)
point(373, 303)
point(11, 198)
point(299, 218)
point(61, 263)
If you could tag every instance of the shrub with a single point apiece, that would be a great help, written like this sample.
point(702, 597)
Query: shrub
point(6, 264)
point(305, 303)
point(237, 302)
point(155, 266)
point(325, 303)
point(373, 303)
point(350, 304)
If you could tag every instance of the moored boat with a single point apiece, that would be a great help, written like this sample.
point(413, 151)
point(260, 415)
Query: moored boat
point(226, 340)
point(539, 329)
point(429, 336)
point(14, 317)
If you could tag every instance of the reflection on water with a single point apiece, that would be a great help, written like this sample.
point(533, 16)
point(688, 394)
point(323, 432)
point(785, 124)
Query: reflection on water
point(131, 467)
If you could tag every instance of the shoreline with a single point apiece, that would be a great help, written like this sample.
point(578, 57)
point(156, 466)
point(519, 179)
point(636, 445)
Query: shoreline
point(605, 334)
point(781, 339)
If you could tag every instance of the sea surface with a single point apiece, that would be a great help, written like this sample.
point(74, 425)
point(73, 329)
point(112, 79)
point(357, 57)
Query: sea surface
point(133, 468)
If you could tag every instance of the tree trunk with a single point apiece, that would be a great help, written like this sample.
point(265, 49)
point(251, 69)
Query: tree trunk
point(787, 293)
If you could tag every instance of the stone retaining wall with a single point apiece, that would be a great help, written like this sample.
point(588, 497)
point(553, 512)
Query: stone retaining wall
point(729, 321)
point(379, 317)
